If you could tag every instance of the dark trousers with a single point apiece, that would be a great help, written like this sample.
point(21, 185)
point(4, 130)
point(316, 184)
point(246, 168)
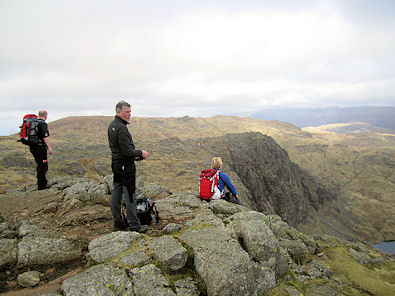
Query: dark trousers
point(40, 156)
point(124, 178)
point(230, 197)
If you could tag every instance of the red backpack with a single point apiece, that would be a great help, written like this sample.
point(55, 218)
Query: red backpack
point(29, 130)
point(209, 184)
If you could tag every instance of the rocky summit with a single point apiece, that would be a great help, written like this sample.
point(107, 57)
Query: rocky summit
point(59, 242)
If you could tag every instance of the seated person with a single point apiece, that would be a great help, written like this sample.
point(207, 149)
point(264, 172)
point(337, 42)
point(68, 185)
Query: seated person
point(224, 181)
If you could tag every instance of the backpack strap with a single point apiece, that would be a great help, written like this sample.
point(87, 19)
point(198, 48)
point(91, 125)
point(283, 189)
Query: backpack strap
point(156, 213)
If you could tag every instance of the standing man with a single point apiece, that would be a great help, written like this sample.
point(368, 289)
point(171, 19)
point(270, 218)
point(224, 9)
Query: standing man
point(124, 154)
point(39, 150)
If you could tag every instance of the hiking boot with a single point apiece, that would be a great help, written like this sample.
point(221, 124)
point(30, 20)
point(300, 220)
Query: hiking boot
point(120, 227)
point(142, 229)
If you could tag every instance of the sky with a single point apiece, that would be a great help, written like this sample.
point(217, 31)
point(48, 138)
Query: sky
point(196, 58)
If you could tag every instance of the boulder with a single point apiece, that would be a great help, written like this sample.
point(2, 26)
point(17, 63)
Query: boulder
point(169, 252)
point(110, 245)
point(102, 279)
point(225, 208)
point(46, 251)
point(224, 266)
point(148, 280)
point(154, 191)
point(85, 186)
point(259, 241)
point(8, 252)
point(29, 278)
point(316, 270)
point(27, 229)
point(135, 259)
point(172, 227)
point(186, 287)
point(206, 217)
point(362, 257)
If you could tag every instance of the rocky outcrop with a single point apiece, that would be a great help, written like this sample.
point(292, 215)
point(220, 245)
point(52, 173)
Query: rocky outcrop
point(275, 184)
point(104, 279)
point(108, 246)
point(34, 251)
point(169, 252)
point(200, 248)
point(34, 247)
point(234, 251)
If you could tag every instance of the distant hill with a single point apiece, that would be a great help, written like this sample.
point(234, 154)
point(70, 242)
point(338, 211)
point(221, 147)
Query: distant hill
point(383, 117)
point(348, 128)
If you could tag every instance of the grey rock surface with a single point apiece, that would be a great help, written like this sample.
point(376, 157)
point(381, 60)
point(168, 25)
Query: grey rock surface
point(29, 278)
point(154, 191)
point(8, 252)
point(110, 245)
point(186, 287)
point(134, 259)
point(224, 266)
point(149, 280)
point(172, 227)
point(206, 217)
point(102, 279)
point(46, 251)
point(169, 252)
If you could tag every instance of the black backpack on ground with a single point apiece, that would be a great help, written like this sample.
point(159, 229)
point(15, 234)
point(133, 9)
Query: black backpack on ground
point(146, 211)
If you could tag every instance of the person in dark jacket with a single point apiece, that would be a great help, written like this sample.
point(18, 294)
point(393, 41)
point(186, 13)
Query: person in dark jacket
point(124, 154)
point(40, 149)
point(224, 182)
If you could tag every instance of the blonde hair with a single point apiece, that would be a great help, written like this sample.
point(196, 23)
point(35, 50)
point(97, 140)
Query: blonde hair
point(216, 163)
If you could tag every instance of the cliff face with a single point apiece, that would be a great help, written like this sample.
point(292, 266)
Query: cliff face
point(275, 184)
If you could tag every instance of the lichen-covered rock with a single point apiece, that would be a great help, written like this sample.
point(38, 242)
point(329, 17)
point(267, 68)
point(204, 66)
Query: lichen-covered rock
point(297, 250)
point(29, 278)
point(154, 191)
point(133, 259)
point(323, 290)
point(206, 217)
point(186, 287)
point(172, 227)
point(148, 280)
point(173, 210)
point(316, 270)
point(223, 207)
point(85, 186)
point(27, 229)
point(8, 252)
point(103, 280)
point(8, 233)
point(46, 251)
point(110, 245)
point(224, 266)
point(258, 239)
point(3, 226)
point(169, 252)
point(362, 257)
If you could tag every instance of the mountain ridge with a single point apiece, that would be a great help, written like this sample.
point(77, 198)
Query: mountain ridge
point(302, 117)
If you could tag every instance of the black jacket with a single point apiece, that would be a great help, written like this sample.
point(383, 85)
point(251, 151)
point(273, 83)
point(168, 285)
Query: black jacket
point(121, 142)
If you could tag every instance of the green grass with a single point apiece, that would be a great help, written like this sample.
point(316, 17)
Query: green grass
point(378, 282)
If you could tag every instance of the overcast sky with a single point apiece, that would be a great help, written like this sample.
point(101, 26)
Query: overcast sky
point(196, 58)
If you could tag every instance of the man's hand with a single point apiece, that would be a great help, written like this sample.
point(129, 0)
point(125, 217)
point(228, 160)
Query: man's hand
point(49, 150)
point(144, 154)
